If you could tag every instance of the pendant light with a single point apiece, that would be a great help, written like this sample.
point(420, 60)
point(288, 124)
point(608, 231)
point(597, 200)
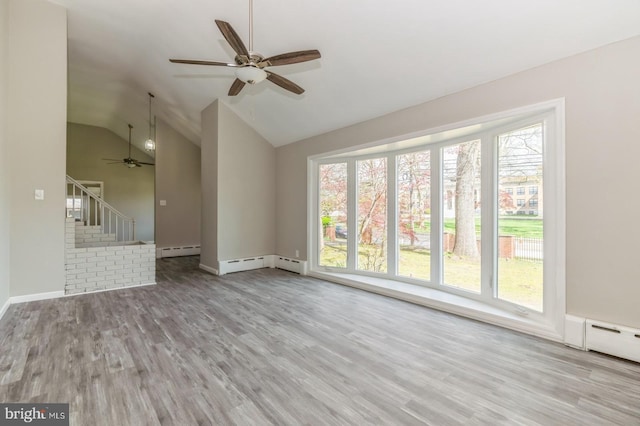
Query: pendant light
point(150, 144)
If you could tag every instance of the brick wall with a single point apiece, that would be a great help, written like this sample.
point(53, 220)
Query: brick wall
point(91, 235)
point(106, 267)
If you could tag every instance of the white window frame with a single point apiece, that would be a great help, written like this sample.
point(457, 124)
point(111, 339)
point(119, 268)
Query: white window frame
point(552, 115)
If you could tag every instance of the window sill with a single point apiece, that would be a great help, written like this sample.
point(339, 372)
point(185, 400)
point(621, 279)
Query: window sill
point(444, 301)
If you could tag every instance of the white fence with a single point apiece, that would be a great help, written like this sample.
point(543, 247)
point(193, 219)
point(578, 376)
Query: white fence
point(529, 248)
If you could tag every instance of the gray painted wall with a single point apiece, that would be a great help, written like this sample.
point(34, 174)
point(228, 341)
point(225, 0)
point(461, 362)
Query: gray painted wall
point(36, 137)
point(602, 92)
point(238, 188)
point(4, 164)
point(209, 161)
point(129, 190)
point(178, 183)
point(246, 190)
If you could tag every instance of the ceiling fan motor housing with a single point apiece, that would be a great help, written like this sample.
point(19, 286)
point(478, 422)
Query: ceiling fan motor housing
point(250, 70)
point(249, 65)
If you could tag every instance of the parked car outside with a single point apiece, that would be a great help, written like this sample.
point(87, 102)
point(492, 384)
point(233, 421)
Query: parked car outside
point(341, 231)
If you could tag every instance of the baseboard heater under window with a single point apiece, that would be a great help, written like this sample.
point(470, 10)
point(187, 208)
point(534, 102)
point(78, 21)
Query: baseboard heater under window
point(178, 251)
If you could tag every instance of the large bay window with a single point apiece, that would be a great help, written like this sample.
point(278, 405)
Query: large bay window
point(449, 211)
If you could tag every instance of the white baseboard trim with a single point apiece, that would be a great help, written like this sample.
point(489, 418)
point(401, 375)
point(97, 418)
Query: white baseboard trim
point(209, 269)
point(5, 307)
point(36, 297)
point(574, 331)
point(110, 289)
point(56, 295)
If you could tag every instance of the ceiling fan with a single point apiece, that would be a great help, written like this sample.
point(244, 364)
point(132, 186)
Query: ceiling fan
point(129, 161)
point(250, 66)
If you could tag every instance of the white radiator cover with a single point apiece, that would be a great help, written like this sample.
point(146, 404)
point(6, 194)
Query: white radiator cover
point(612, 339)
point(247, 264)
point(177, 251)
point(292, 265)
point(574, 331)
point(266, 261)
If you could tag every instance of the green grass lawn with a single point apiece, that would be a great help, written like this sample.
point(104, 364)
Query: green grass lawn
point(508, 225)
point(519, 281)
point(520, 227)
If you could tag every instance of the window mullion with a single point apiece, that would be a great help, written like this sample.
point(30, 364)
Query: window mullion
point(436, 216)
point(316, 235)
point(488, 232)
point(392, 215)
point(352, 214)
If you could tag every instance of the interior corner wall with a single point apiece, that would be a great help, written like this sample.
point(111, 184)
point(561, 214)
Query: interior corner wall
point(602, 101)
point(4, 163)
point(238, 189)
point(36, 137)
point(209, 182)
point(129, 190)
point(246, 189)
point(178, 183)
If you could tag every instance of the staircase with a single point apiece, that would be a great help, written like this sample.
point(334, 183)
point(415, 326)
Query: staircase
point(97, 221)
point(101, 250)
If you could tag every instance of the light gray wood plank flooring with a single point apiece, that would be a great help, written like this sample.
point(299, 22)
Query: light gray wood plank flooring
point(270, 347)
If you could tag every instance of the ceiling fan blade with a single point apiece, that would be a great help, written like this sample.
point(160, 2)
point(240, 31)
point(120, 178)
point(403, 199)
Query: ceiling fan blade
point(146, 164)
point(112, 159)
point(196, 62)
point(284, 83)
point(232, 38)
point(236, 87)
point(290, 58)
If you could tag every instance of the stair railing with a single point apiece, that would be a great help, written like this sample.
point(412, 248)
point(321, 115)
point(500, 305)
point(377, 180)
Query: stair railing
point(92, 210)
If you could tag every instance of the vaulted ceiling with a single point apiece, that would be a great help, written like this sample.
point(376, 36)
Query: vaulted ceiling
point(378, 56)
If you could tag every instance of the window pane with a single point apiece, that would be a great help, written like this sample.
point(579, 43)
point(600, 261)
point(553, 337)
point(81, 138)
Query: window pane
point(461, 215)
point(520, 230)
point(372, 215)
point(414, 215)
point(333, 215)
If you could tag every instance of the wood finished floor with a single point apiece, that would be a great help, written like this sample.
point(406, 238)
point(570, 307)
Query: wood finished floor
point(270, 347)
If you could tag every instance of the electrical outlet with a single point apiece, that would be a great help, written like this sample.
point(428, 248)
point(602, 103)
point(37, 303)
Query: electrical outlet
point(297, 253)
point(39, 194)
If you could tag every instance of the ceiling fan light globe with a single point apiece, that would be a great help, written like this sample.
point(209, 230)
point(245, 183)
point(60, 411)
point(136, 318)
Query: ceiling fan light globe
point(251, 74)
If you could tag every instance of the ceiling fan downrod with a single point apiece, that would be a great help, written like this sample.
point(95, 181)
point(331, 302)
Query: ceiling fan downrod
point(250, 26)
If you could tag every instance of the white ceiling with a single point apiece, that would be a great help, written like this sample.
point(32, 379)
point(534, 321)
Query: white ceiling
point(378, 56)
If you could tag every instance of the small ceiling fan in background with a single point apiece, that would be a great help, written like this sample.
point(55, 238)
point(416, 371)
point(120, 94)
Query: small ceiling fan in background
point(129, 161)
point(250, 66)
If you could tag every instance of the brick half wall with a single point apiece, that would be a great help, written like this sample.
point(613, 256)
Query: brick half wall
point(104, 268)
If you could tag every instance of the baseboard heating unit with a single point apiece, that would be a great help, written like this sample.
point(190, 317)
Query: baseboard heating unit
point(612, 339)
point(266, 261)
point(177, 251)
point(292, 265)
